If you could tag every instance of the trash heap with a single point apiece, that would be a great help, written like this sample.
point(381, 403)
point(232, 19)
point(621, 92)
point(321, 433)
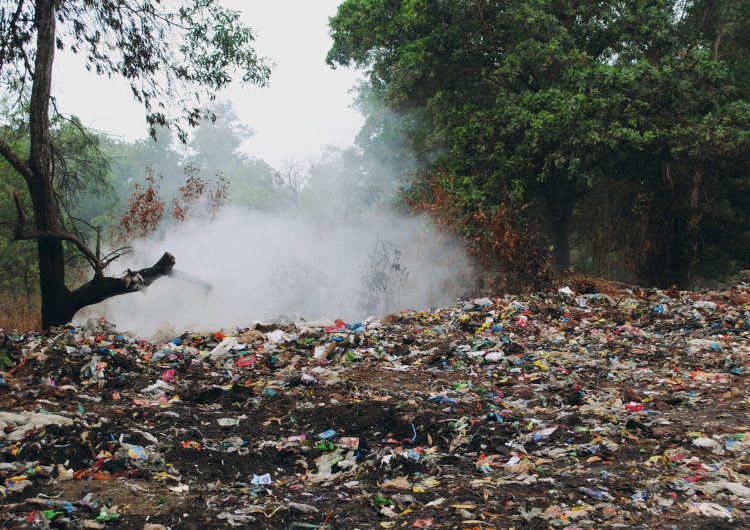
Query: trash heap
point(585, 406)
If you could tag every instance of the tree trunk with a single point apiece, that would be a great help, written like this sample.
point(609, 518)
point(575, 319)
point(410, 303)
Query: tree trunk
point(690, 250)
point(561, 249)
point(683, 212)
point(41, 187)
point(52, 281)
point(560, 200)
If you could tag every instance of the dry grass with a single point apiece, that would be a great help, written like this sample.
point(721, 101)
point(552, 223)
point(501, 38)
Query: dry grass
point(19, 314)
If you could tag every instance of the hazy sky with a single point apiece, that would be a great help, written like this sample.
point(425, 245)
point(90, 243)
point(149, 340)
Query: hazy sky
point(305, 108)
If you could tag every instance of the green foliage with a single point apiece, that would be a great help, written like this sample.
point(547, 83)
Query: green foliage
point(214, 147)
point(7, 360)
point(80, 169)
point(172, 54)
point(553, 103)
point(80, 165)
point(251, 185)
point(215, 144)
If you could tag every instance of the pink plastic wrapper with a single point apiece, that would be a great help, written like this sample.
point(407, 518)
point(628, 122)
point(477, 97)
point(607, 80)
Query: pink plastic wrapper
point(349, 442)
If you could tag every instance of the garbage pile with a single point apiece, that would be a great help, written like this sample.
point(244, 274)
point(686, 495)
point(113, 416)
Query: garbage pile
point(585, 406)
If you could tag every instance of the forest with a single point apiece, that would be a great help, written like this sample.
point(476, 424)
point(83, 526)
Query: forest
point(610, 139)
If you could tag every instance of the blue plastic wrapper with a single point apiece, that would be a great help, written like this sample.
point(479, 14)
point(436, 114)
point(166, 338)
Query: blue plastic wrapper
point(327, 434)
point(442, 399)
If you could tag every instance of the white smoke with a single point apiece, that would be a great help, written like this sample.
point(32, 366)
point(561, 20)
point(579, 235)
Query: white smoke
point(263, 265)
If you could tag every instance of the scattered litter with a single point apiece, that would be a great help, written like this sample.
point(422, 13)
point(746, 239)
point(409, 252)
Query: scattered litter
point(583, 406)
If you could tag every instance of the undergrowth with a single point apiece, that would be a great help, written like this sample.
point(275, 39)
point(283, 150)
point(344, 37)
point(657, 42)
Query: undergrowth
point(19, 313)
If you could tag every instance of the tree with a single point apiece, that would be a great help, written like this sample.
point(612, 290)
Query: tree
point(252, 185)
point(542, 102)
point(80, 168)
point(215, 145)
point(130, 159)
point(382, 277)
point(679, 148)
point(199, 199)
point(482, 86)
point(290, 180)
point(173, 54)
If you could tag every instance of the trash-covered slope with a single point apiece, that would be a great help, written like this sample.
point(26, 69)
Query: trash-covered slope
point(582, 407)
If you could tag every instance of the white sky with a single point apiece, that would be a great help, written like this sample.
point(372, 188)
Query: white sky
point(305, 108)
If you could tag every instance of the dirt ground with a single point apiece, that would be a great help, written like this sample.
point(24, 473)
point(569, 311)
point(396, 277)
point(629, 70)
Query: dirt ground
point(597, 416)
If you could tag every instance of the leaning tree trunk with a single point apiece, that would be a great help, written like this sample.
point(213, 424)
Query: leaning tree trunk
point(41, 186)
point(101, 288)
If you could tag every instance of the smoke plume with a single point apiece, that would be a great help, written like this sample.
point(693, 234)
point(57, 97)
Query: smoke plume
point(263, 266)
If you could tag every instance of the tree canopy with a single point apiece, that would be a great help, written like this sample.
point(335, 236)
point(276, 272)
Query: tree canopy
point(556, 106)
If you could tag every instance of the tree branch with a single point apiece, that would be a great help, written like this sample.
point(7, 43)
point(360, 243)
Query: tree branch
point(715, 48)
point(20, 233)
point(18, 163)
